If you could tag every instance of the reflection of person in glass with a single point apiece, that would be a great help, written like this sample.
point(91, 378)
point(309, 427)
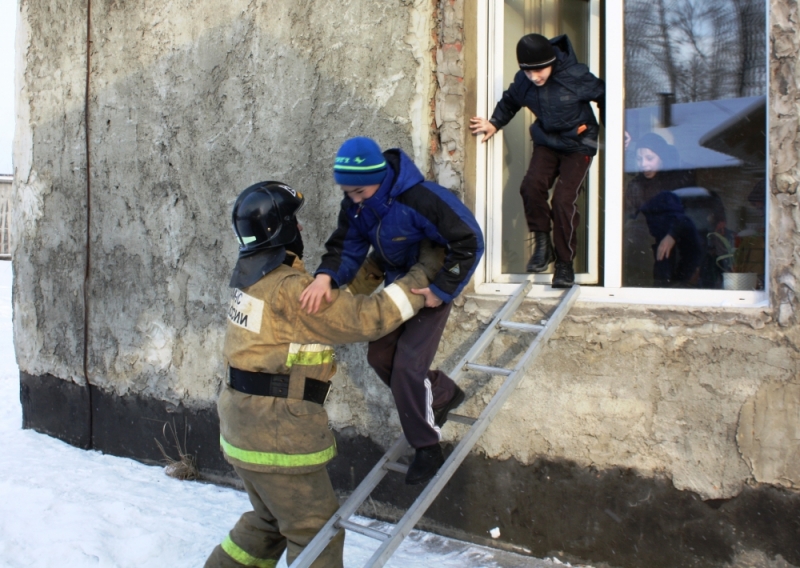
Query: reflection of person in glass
point(558, 90)
point(677, 249)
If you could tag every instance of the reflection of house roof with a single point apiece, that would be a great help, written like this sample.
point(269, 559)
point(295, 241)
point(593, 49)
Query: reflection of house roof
point(742, 135)
point(707, 134)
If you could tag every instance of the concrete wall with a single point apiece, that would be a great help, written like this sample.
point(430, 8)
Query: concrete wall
point(5, 217)
point(190, 102)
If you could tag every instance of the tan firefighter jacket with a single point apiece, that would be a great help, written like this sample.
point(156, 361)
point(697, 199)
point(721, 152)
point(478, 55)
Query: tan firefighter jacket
point(269, 332)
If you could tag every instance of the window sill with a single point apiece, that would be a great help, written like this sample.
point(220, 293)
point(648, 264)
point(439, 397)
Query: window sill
point(640, 296)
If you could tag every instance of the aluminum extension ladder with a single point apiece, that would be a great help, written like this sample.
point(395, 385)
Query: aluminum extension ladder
point(391, 541)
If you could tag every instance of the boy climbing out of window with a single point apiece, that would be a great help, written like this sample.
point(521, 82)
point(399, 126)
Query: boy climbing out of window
point(558, 90)
point(390, 207)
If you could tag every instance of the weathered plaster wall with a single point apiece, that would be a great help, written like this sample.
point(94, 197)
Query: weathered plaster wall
point(785, 156)
point(189, 103)
point(707, 399)
point(48, 228)
point(450, 110)
point(659, 391)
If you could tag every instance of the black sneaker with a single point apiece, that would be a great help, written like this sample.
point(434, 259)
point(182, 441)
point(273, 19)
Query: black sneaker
point(564, 275)
point(542, 253)
point(440, 414)
point(425, 465)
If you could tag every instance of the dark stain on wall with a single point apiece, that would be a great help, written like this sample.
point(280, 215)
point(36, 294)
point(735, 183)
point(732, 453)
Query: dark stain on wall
point(549, 507)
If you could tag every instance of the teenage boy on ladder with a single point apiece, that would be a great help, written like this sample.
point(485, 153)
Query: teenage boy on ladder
point(388, 205)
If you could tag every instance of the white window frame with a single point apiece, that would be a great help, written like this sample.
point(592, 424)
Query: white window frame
point(488, 277)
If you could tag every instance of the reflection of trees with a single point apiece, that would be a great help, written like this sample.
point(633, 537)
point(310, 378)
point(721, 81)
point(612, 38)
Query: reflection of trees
point(697, 49)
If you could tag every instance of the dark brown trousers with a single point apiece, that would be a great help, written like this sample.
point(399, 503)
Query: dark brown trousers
point(546, 165)
point(402, 360)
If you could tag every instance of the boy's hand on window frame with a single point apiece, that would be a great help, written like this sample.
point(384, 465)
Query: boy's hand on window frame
point(480, 125)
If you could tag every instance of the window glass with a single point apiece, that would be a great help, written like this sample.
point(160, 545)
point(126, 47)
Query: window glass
point(695, 144)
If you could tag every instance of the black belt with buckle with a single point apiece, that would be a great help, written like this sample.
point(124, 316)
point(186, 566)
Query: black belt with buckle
point(267, 384)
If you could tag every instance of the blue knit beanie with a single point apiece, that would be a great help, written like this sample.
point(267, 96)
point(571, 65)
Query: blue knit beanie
point(359, 162)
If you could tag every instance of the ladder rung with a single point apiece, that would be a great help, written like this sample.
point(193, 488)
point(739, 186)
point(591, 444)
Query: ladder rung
point(490, 370)
point(394, 466)
point(361, 529)
point(468, 420)
point(517, 326)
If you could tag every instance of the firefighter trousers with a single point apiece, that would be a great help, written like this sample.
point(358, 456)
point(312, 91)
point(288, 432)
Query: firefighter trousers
point(288, 510)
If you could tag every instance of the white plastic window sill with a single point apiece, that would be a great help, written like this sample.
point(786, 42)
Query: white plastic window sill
point(661, 297)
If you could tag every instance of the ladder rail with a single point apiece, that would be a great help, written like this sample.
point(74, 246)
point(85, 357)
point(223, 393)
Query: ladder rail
point(377, 473)
point(401, 446)
point(432, 490)
point(350, 506)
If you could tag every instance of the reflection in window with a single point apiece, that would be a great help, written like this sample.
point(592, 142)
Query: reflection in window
point(695, 143)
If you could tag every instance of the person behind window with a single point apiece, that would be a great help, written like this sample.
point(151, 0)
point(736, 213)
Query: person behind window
point(558, 90)
point(678, 250)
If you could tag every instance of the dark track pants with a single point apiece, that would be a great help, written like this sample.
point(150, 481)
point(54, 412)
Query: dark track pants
point(545, 166)
point(288, 510)
point(402, 360)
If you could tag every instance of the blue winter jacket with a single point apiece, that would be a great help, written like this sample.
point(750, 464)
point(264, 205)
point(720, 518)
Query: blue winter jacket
point(405, 210)
point(561, 105)
point(664, 214)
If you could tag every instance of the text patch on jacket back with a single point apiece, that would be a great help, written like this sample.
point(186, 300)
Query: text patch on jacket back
point(245, 311)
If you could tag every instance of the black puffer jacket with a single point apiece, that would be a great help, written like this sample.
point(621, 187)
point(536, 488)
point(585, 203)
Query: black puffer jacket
point(561, 105)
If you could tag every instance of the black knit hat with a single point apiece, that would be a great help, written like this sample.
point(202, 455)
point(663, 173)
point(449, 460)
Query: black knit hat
point(670, 158)
point(534, 51)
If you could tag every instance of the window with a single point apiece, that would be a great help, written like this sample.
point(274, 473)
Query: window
point(688, 77)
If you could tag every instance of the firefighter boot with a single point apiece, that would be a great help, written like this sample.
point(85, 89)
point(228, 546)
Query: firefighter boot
point(542, 252)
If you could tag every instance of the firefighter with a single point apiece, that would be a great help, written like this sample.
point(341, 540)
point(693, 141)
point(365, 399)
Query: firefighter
point(279, 360)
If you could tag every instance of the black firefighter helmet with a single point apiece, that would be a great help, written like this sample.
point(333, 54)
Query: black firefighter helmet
point(264, 223)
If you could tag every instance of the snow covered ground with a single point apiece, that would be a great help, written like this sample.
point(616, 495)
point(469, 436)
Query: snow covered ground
point(61, 506)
